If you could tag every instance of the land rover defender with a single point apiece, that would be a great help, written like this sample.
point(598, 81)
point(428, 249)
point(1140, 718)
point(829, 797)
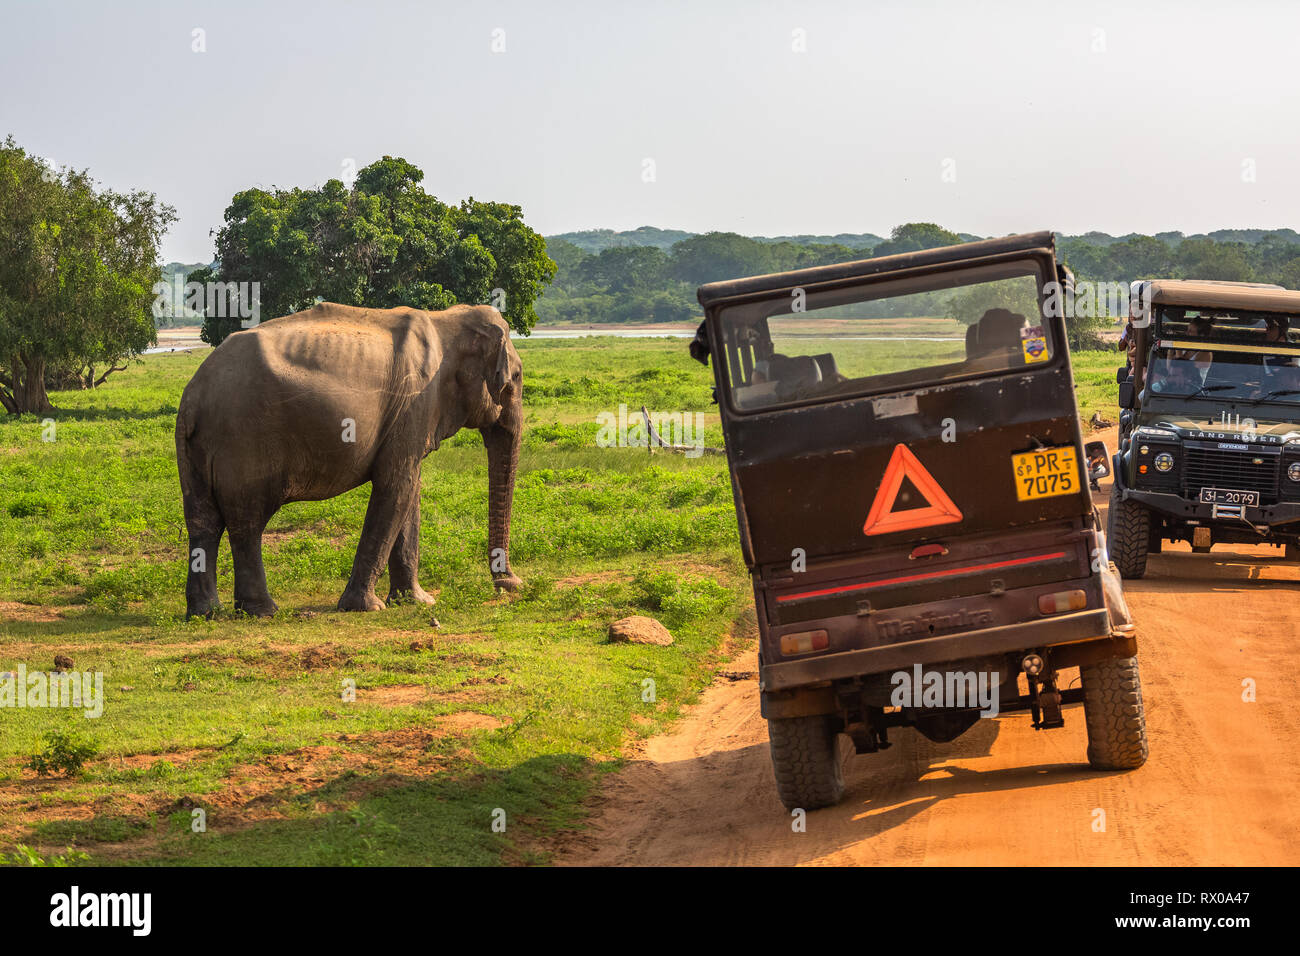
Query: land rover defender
point(1209, 449)
point(908, 472)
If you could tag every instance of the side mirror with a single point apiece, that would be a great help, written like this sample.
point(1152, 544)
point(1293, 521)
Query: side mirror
point(1126, 394)
point(1098, 456)
point(1121, 374)
point(1065, 277)
point(700, 345)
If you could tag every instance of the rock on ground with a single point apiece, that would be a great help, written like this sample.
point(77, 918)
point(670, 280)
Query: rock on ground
point(639, 630)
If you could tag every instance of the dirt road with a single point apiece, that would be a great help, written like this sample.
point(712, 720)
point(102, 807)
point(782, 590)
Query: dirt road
point(1221, 787)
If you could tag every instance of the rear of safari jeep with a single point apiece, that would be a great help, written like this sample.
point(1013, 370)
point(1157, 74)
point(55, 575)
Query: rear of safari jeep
point(908, 473)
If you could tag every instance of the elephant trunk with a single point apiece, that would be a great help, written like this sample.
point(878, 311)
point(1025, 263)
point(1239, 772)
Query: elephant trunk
point(503, 460)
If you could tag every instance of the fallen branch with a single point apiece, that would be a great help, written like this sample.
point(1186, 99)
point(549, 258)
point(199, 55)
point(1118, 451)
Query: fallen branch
point(656, 441)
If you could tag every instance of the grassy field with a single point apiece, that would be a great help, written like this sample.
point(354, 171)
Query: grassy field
point(508, 713)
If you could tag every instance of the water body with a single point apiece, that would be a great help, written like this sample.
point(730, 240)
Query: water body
point(187, 345)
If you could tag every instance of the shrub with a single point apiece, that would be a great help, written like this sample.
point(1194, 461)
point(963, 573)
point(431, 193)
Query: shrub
point(64, 753)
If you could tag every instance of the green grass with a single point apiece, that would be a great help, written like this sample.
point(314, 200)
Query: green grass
point(516, 705)
point(1094, 383)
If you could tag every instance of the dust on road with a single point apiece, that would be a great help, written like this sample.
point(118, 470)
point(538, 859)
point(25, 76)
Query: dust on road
point(1221, 787)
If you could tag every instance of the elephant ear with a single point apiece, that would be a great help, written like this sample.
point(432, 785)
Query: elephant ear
point(497, 361)
point(493, 348)
point(501, 375)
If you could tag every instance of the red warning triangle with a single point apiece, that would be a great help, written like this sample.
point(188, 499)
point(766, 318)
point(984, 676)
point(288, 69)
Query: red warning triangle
point(904, 464)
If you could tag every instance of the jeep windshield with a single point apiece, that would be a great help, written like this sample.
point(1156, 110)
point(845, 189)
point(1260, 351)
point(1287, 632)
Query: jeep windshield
point(1242, 356)
point(889, 336)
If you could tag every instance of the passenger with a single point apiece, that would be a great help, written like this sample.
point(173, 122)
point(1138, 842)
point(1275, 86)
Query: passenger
point(1096, 459)
point(1276, 331)
point(1128, 338)
point(1282, 371)
point(1128, 342)
point(1183, 370)
point(793, 375)
point(997, 331)
point(1197, 328)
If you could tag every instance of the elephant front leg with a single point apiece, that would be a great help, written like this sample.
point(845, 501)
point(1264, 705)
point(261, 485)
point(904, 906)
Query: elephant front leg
point(404, 562)
point(390, 503)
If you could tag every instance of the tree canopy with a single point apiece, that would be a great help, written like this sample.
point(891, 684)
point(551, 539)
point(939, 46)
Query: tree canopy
point(77, 269)
point(625, 282)
point(628, 283)
point(915, 236)
point(382, 243)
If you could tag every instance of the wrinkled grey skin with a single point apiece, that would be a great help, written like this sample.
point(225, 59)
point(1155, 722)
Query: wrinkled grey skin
point(265, 419)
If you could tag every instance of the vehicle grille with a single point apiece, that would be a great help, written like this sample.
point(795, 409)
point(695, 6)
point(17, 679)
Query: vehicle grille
point(1236, 470)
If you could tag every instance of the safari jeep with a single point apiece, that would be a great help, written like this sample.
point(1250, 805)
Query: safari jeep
point(907, 468)
point(1210, 428)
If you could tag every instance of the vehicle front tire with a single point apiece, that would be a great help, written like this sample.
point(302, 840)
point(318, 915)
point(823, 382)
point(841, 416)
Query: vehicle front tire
point(1128, 535)
point(1114, 714)
point(806, 761)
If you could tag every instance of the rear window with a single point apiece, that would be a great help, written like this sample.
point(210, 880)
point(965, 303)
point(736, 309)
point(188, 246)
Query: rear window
point(890, 336)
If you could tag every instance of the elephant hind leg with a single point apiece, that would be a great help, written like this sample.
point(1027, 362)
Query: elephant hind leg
point(205, 526)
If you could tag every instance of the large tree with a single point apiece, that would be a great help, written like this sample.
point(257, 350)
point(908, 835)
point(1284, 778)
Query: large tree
point(77, 269)
point(915, 236)
point(384, 242)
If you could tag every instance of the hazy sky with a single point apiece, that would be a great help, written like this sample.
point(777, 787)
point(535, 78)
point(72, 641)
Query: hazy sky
point(985, 117)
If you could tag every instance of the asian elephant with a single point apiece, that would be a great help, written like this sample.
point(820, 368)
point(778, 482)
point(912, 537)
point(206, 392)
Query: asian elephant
point(311, 405)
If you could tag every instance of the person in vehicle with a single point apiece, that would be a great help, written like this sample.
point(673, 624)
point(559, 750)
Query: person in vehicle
point(1282, 372)
point(1184, 370)
point(995, 335)
point(1128, 342)
point(797, 376)
point(1276, 331)
point(1197, 328)
point(1096, 459)
point(1128, 337)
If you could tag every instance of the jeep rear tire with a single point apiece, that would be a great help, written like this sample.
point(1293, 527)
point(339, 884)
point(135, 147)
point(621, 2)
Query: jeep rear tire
point(1113, 712)
point(806, 761)
point(1128, 535)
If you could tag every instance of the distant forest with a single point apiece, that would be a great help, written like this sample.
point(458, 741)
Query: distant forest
point(650, 275)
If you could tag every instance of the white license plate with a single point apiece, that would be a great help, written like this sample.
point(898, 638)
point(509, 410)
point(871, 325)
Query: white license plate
point(1223, 496)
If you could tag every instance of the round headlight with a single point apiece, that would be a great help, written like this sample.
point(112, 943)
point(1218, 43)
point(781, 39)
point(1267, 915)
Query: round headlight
point(1165, 461)
point(1293, 471)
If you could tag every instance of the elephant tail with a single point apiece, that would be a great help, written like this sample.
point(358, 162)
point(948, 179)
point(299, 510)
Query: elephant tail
point(184, 421)
point(194, 478)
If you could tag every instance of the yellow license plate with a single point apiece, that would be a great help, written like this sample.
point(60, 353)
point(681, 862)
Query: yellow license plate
point(1046, 473)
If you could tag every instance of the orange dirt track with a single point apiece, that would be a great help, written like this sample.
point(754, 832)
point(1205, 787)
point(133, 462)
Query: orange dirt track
point(1221, 786)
